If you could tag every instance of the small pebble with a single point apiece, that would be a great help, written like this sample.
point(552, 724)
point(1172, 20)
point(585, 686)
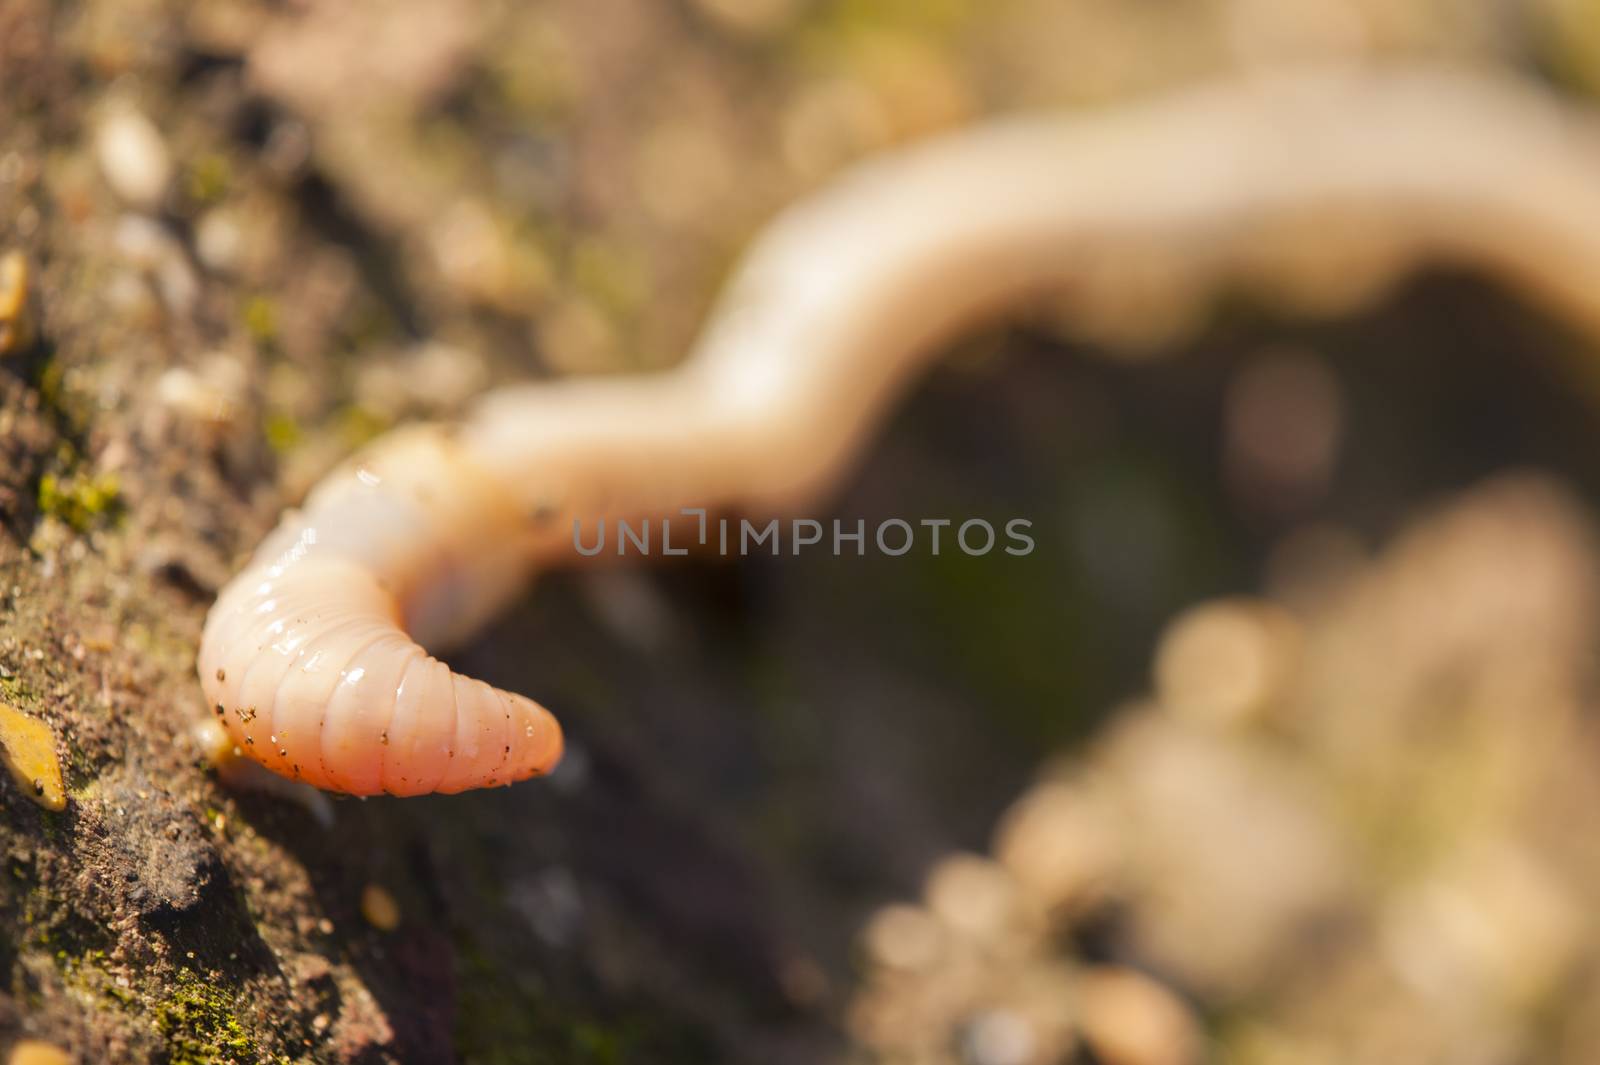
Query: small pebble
point(1000, 1037)
point(210, 395)
point(134, 157)
point(152, 247)
point(1062, 846)
point(904, 937)
point(973, 896)
point(218, 239)
point(1222, 663)
point(380, 908)
point(1130, 1019)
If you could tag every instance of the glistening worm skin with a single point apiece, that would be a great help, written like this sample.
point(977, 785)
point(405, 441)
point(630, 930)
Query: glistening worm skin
point(1324, 187)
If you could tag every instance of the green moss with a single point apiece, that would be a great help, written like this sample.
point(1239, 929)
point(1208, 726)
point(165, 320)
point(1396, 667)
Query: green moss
point(15, 690)
point(927, 18)
point(79, 499)
point(80, 968)
point(62, 394)
point(86, 974)
point(261, 318)
point(611, 275)
point(194, 1018)
point(199, 1025)
point(360, 425)
point(49, 380)
point(834, 31)
point(209, 177)
point(283, 433)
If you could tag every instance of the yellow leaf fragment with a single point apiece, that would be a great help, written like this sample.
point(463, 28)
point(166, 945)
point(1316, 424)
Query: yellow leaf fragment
point(34, 1052)
point(29, 750)
point(16, 327)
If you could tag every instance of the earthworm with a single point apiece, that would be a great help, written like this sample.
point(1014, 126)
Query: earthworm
point(1323, 186)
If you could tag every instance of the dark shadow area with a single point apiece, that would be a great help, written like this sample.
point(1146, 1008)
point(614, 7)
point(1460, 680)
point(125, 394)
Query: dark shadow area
point(842, 721)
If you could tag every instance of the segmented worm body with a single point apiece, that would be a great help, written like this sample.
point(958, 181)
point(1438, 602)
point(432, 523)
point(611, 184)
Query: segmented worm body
point(1321, 186)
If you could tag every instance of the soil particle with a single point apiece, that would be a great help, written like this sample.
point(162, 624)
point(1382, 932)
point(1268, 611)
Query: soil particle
point(170, 864)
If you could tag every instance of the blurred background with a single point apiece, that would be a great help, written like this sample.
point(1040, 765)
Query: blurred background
point(1280, 748)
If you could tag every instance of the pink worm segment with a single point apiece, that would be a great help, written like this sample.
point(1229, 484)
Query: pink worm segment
point(1308, 185)
point(305, 656)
